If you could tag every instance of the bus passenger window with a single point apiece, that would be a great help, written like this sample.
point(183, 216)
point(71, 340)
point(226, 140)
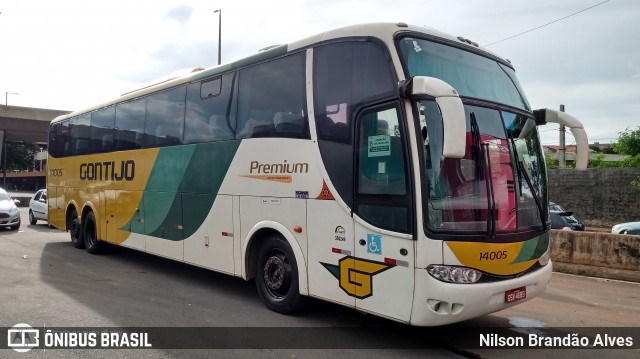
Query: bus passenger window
point(272, 99)
point(165, 118)
point(59, 139)
point(346, 75)
point(130, 124)
point(210, 114)
point(102, 122)
point(79, 128)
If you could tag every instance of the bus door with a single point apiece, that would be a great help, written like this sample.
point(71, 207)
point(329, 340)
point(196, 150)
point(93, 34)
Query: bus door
point(382, 270)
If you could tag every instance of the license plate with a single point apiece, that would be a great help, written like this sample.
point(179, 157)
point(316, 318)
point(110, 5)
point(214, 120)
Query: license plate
point(514, 295)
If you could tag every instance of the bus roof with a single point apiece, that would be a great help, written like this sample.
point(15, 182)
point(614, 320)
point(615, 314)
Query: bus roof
point(383, 31)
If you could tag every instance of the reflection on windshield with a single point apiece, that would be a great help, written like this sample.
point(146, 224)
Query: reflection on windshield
point(484, 192)
point(470, 74)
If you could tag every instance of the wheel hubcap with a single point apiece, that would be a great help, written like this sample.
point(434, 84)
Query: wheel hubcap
point(276, 274)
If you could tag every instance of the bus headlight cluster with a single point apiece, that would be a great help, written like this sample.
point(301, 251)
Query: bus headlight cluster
point(454, 274)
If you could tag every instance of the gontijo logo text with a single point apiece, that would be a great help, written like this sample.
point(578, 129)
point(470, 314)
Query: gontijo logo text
point(22, 338)
point(108, 171)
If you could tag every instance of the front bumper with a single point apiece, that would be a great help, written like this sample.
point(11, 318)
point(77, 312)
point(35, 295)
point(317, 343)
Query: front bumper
point(8, 219)
point(439, 303)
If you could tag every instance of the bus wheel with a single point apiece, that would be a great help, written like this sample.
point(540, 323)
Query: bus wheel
point(91, 242)
point(75, 230)
point(277, 276)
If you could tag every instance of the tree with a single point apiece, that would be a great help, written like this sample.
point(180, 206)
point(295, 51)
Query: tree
point(628, 142)
point(20, 156)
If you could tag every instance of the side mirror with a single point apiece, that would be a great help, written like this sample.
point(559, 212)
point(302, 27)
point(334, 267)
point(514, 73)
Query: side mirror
point(16, 201)
point(451, 108)
point(545, 115)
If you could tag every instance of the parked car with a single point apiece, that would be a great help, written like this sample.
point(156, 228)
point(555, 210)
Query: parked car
point(622, 228)
point(565, 221)
point(38, 207)
point(555, 207)
point(9, 212)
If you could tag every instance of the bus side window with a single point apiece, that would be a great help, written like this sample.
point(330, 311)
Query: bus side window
point(164, 122)
point(272, 99)
point(59, 139)
point(102, 122)
point(382, 190)
point(129, 129)
point(79, 129)
point(347, 75)
point(210, 113)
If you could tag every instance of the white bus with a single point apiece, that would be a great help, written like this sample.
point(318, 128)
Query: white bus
point(385, 167)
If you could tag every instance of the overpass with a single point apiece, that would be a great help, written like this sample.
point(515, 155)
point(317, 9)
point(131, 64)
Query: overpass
point(24, 124)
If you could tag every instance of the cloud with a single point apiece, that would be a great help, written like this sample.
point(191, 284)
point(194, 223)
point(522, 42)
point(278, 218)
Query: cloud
point(72, 53)
point(180, 14)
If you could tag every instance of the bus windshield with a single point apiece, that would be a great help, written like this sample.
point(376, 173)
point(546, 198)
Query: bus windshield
point(470, 74)
point(498, 187)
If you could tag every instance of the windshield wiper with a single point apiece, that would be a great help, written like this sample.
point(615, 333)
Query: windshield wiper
point(522, 172)
point(491, 217)
point(480, 155)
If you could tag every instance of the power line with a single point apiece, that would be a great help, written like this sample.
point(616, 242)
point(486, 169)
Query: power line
point(549, 23)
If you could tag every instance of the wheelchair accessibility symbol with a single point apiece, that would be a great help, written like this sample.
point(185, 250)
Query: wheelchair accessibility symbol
point(374, 243)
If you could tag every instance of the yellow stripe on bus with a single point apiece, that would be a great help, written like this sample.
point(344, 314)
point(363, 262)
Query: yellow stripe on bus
point(493, 258)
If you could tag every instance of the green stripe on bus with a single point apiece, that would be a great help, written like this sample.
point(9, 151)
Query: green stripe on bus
point(533, 248)
point(182, 187)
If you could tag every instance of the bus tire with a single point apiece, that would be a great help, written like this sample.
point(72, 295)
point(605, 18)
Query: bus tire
point(277, 276)
point(75, 230)
point(91, 242)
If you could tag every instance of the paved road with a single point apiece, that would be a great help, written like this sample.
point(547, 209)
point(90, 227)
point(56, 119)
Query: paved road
point(45, 281)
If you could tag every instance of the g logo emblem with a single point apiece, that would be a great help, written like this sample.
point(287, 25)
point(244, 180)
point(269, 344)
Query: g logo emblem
point(356, 275)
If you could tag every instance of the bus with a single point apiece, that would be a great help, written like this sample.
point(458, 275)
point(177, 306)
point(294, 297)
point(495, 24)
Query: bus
point(389, 168)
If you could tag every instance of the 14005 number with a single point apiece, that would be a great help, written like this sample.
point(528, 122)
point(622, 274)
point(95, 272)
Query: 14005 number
point(490, 256)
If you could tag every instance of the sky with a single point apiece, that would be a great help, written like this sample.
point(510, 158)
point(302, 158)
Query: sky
point(72, 54)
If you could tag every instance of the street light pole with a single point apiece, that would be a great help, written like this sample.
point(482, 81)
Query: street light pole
point(219, 11)
point(6, 96)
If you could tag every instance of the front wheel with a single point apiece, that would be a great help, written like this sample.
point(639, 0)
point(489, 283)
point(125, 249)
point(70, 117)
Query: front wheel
point(277, 276)
point(32, 218)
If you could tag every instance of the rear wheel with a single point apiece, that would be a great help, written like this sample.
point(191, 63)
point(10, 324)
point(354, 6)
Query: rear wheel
point(75, 230)
point(91, 242)
point(277, 276)
point(32, 218)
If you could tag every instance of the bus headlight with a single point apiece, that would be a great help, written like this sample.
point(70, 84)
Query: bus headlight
point(454, 274)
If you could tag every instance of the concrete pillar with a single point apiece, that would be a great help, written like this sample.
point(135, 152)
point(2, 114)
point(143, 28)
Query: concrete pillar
point(4, 174)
